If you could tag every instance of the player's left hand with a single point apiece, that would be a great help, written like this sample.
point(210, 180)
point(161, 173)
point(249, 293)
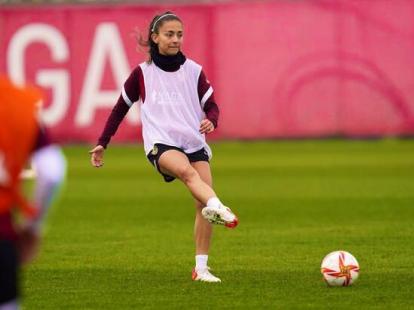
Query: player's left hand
point(206, 126)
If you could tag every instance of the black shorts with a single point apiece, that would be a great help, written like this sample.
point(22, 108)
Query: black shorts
point(8, 271)
point(159, 148)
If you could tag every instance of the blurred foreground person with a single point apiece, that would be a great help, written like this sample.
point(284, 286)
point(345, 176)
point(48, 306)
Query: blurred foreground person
point(22, 140)
point(177, 111)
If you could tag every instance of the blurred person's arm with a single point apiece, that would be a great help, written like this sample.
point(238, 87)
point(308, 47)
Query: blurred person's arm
point(50, 166)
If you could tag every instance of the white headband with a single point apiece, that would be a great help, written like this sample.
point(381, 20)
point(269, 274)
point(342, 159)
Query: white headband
point(159, 18)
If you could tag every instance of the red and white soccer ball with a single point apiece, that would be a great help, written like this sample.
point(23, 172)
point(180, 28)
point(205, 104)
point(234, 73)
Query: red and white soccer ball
point(340, 268)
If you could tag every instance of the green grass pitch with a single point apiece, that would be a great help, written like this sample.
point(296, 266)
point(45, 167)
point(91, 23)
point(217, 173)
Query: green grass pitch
point(121, 238)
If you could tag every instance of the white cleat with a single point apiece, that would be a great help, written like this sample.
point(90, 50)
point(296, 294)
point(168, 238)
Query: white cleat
point(221, 216)
point(204, 275)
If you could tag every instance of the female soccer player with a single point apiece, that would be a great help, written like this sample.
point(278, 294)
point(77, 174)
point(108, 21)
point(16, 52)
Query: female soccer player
point(177, 111)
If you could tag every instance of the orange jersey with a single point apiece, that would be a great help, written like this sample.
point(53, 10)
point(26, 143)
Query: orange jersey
point(18, 132)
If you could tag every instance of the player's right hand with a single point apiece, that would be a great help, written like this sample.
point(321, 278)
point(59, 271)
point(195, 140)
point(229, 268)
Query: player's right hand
point(97, 156)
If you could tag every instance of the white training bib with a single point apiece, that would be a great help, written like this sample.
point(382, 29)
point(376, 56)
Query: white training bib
point(172, 112)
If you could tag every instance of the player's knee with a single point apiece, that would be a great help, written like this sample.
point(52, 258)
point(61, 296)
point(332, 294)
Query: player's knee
point(187, 174)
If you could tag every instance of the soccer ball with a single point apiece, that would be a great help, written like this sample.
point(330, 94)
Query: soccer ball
point(339, 268)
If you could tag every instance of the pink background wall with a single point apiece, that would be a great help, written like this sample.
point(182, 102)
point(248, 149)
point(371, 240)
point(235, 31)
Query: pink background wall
point(279, 69)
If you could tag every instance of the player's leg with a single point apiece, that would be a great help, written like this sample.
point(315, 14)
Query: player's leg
point(202, 230)
point(176, 164)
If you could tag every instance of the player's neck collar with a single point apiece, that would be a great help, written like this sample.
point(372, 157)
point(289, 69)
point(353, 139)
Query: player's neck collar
point(168, 63)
